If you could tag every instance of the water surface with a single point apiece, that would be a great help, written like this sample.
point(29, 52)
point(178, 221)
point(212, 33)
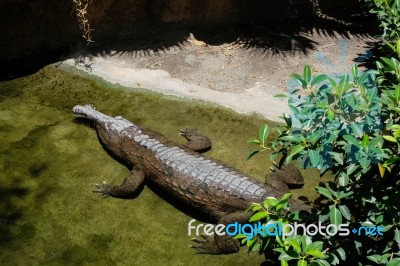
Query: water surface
point(49, 164)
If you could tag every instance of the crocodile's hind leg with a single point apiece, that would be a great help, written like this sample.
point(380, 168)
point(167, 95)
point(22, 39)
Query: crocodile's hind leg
point(130, 184)
point(196, 141)
point(284, 177)
point(223, 244)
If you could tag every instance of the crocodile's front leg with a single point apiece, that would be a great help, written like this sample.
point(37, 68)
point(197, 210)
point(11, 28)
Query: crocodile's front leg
point(196, 141)
point(224, 244)
point(130, 184)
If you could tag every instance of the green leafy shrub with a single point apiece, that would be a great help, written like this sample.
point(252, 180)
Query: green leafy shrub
point(273, 213)
point(388, 13)
point(350, 127)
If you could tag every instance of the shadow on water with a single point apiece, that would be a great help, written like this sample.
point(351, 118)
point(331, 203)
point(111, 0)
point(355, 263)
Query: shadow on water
point(50, 163)
point(10, 214)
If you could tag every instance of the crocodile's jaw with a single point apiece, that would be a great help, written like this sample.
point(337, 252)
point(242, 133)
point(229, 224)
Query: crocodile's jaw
point(117, 124)
point(111, 131)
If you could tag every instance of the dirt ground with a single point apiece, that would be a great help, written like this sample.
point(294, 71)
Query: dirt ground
point(228, 67)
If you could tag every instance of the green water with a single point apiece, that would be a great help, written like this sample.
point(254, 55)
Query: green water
point(49, 164)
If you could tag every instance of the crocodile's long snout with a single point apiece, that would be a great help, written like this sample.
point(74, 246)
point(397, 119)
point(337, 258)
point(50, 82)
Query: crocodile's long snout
point(89, 111)
point(117, 124)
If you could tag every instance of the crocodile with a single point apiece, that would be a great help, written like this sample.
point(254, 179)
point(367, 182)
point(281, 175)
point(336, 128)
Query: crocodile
point(204, 184)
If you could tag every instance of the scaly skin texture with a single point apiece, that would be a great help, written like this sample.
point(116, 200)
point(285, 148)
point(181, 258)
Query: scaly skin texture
point(207, 186)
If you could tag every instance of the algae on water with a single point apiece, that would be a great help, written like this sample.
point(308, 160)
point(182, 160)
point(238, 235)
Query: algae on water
point(50, 162)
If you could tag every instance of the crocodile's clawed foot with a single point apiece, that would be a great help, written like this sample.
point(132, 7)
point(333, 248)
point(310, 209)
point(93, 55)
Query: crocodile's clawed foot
point(196, 141)
point(188, 132)
point(205, 245)
point(104, 189)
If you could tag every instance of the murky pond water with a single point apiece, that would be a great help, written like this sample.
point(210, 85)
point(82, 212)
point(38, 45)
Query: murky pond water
point(49, 164)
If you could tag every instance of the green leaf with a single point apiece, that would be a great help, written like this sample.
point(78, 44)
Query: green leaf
point(288, 120)
point(285, 197)
point(376, 142)
point(321, 105)
point(338, 157)
point(397, 92)
point(319, 79)
point(280, 95)
point(258, 216)
point(325, 192)
point(331, 115)
point(302, 262)
point(394, 262)
point(288, 255)
point(354, 71)
point(333, 259)
point(375, 258)
point(299, 80)
point(315, 136)
point(341, 253)
point(284, 263)
point(334, 192)
point(357, 129)
point(251, 242)
point(323, 263)
point(390, 138)
point(270, 202)
point(294, 109)
point(295, 150)
point(343, 194)
point(388, 62)
point(397, 236)
point(316, 253)
point(314, 157)
point(254, 141)
point(317, 245)
point(395, 63)
point(398, 47)
point(335, 216)
point(254, 207)
point(251, 154)
point(379, 65)
point(350, 139)
point(364, 162)
point(291, 138)
point(344, 85)
point(255, 247)
point(307, 74)
point(263, 133)
point(294, 243)
point(392, 160)
point(345, 211)
point(351, 168)
point(343, 179)
point(365, 141)
point(305, 241)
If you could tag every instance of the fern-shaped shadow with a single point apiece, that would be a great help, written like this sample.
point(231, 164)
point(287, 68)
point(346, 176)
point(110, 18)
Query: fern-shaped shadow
point(273, 39)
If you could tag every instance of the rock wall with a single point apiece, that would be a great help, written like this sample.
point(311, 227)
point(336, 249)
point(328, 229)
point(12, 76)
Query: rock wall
point(39, 30)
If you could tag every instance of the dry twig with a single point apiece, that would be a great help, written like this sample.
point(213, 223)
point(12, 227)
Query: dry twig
point(81, 7)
